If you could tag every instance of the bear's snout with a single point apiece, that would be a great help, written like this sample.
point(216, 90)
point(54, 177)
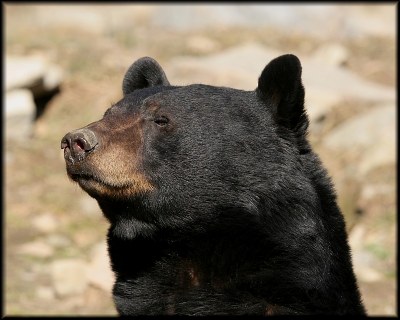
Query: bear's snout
point(77, 144)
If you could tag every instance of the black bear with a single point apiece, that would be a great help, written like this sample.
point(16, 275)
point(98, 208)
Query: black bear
point(217, 204)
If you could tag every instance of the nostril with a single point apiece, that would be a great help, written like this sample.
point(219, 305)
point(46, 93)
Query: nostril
point(77, 144)
point(81, 144)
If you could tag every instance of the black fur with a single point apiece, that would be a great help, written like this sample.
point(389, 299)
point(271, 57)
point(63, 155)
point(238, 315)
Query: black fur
point(243, 218)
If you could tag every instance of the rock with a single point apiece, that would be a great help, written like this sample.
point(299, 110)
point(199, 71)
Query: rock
point(322, 21)
point(100, 274)
point(86, 18)
point(231, 67)
point(356, 237)
point(69, 277)
point(9, 158)
point(36, 248)
point(45, 293)
point(368, 274)
point(45, 222)
point(363, 266)
point(49, 83)
point(24, 72)
point(19, 112)
point(372, 135)
point(84, 238)
point(332, 53)
point(380, 297)
point(367, 20)
point(201, 44)
point(326, 85)
point(33, 73)
point(370, 191)
point(318, 106)
point(240, 67)
point(58, 240)
point(378, 189)
point(89, 206)
point(26, 79)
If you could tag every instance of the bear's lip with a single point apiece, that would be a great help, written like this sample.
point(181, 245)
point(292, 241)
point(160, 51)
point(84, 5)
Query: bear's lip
point(85, 178)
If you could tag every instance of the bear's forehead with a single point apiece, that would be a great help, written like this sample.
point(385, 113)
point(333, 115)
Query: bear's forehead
point(195, 94)
point(171, 92)
point(189, 97)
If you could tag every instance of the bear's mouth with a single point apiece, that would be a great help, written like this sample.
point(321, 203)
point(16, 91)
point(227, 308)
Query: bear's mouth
point(84, 179)
point(100, 188)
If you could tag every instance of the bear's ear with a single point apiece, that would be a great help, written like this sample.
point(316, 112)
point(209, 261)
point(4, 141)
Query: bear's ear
point(280, 87)
point(143, 73)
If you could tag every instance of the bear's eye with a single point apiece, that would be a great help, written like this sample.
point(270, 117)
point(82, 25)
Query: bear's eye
point(161, 121)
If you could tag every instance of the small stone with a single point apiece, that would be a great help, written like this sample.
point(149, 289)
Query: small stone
point(89, 206)
point(332, 53)
point(84, 238)
point(24, 72)
point(370, 191)
point(45, 293)
point(51, 80)
point(367, 274)
point(37, 249)
point(356, 237)
point(9, 158)
point(69, 277)
point(319, 104)
point(20, 112)
point(45, 222)
point(57, 240)
point(372, 135)
point(201, 44)
point(363, 263)
point(100, 274)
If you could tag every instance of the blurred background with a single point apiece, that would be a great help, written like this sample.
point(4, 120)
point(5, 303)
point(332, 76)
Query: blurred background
point(64, 68)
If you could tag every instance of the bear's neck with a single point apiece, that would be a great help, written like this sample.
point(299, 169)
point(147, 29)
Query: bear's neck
point(227, 253)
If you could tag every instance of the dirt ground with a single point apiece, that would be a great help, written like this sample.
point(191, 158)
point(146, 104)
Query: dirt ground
point(35, 179)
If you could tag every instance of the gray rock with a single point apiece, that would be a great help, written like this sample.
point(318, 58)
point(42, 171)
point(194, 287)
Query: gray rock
point(357, 237)
point(33, 73)
point(24, 72)
point(45, 293)
point(58, 240)
point(45, 222)
point(324, 21)
point(69, 277)
point(332, 53)
point(231, 67)
point(240, 67)
point(100, 274)
point(89, 19)
point(372, 135)
point(37, 248)
point(89, 206)
point(363, 263)
point(371, 191)
point(19, 112)
point(50, 81)
point(330, 82)
point(202, 44)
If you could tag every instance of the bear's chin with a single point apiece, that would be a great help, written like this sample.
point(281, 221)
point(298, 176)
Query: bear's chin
point(97, 188)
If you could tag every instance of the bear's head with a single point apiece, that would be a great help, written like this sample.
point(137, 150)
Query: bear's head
point(215, 193)
point(169, 156)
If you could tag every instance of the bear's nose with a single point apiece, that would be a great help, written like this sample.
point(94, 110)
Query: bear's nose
point(77, 144)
